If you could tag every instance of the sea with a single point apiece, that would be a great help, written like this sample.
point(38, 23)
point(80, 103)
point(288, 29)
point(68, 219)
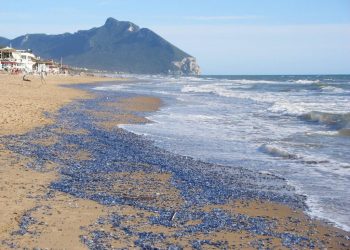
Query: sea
point(293, 126)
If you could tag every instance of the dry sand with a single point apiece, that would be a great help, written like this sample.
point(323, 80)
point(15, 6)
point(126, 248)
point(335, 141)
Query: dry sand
point(23, 103)
point(63, 219)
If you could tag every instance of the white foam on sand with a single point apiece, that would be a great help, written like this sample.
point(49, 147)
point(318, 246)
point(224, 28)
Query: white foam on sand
point(316, 211)
point(111, 88)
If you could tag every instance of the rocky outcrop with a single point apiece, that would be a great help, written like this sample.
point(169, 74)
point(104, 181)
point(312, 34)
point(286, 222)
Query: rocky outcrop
point(187, 66)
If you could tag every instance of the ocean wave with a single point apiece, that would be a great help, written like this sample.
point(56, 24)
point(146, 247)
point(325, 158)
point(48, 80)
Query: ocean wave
point(279, 103)
point(209, 88)
point(326, 133)
point(344, 132)
point(228, 91)
point(329, 112)
point(338, 121)
point(193, 117)
point(321, 162)
point(332, 89)
point(287, 108)
point(302, 81)
point(195, 89)
point(277, 151)
point(245, 81)
point(248, 81)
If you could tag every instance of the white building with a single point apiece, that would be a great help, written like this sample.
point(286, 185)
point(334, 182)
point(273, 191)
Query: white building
point(13, 60)
point(24, 61)
point(7, 59)
point(47, 67)
point(27, 60)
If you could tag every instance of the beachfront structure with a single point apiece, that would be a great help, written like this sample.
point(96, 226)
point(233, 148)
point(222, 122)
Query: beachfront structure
point(17, 60)
point(47, 66)
point(24, 61)
point(27, 61)
point(8, 58)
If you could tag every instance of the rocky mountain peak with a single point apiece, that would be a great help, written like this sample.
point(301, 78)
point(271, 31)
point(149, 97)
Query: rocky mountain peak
point(111, 21)
point(120, 26)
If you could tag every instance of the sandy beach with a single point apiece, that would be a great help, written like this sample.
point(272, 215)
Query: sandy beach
point(23, 105)
point(72, 179)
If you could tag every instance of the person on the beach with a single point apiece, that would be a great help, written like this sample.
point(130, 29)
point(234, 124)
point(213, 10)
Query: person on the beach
point(42, 77)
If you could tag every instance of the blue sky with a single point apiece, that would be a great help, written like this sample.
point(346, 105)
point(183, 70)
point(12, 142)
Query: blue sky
point(226, 36)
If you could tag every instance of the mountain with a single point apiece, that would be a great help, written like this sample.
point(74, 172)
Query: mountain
point(4, 41)
point(115, 46)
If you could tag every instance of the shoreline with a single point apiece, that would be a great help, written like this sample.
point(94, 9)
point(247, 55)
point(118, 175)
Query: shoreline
point(313, 211)
point(302, 151)
point(132, 201)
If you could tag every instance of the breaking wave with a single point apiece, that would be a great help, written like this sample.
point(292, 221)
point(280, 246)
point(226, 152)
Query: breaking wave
point(245, 81)
point(344, 132)
point(338, 121)
point(332, 89)
point(277, 152)
point(306, 81)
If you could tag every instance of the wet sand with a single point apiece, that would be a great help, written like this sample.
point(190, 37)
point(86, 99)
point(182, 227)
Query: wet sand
point(140, 205)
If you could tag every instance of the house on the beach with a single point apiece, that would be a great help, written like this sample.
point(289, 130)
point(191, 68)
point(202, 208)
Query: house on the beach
point(47, 66)
point(24, 61)
point(8, 58)
point(13, 60)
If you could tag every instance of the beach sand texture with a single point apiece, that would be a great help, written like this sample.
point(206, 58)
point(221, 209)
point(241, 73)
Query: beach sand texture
point(23, 103)
point(33, 215)
point(23, 106)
